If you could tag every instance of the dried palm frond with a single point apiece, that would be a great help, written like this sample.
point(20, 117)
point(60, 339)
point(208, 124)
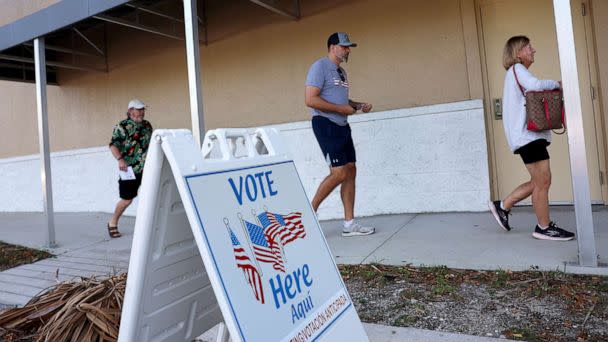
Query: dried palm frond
point(88, 310)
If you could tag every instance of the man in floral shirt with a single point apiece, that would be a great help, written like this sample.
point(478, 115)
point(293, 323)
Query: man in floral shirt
point(129, 146)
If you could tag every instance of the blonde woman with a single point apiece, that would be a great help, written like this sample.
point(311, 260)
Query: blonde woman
point(531, 146)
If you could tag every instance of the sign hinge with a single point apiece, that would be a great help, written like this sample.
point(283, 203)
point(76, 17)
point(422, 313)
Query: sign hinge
point(601, 177)
point(593, 95)
point(583, 9)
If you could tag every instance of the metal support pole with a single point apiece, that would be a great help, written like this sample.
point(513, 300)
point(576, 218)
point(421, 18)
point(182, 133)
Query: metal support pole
point(587, 255)
point(194, 80)
point(43, 138)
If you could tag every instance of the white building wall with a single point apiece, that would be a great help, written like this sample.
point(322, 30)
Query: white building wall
point(424, 159)
point(83, 180)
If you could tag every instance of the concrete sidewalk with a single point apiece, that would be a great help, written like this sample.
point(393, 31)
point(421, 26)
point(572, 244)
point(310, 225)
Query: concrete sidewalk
point(469, 241)
point(458, 240)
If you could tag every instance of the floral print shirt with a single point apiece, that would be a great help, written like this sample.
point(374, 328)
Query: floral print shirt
point(132, 140)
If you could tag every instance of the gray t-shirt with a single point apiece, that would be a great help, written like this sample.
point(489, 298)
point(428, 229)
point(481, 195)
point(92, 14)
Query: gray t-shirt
point(324, 75)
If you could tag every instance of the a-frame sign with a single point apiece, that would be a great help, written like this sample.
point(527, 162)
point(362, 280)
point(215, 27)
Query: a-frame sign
point(226, 234)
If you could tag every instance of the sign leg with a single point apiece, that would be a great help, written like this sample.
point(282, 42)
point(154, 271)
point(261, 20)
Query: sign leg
point(222, 333)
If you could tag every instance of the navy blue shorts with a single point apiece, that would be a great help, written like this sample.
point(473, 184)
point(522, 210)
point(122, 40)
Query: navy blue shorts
point(534, 151)
point(335, 141)
point(127, 189)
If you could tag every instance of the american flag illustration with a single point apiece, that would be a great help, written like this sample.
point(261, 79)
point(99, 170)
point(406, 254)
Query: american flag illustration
point(284, 228)
point(244, 262)
point(264, 250)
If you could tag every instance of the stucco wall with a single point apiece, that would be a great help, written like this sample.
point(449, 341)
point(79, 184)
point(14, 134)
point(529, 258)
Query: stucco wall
point(425, 159)
point(600, 13)
point(411, 53)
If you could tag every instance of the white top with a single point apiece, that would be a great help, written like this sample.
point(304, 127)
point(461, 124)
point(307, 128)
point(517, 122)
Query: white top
point(514, 106)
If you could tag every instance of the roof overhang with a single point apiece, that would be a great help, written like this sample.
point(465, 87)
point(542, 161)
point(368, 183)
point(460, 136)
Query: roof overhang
point(68, 24)
point(57, 16)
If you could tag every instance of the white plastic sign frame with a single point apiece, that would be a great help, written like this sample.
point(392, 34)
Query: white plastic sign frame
point(266, 266)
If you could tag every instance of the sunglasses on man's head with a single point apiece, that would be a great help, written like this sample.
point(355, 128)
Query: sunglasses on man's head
point(341, 75)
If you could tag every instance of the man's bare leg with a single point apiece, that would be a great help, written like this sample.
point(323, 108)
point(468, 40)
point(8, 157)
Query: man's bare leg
point(347, 192)
point(336, 176)
point(121, 206)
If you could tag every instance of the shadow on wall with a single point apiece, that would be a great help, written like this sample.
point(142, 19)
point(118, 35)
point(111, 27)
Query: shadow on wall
point(221, 15)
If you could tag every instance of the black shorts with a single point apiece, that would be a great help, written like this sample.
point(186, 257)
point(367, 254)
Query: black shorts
point(335, 141)
point(534, 151)
point(128, 188)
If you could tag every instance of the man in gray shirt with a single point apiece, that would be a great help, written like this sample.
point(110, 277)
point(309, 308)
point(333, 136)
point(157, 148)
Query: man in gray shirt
point(327, 97)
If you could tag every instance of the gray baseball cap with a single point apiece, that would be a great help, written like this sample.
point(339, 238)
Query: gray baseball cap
point(340, 38)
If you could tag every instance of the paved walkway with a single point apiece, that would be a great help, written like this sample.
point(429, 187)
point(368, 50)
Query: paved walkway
point(467, 240)
point(84, 249)
point(458, 240)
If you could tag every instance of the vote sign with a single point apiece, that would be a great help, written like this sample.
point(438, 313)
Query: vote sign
point(273, 263)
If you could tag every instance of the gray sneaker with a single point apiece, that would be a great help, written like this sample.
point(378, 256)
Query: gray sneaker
point(356, 229)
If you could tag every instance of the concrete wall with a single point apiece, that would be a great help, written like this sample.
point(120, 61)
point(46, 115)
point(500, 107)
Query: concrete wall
point(425, 159)
point(83, 180)
point(411, 53)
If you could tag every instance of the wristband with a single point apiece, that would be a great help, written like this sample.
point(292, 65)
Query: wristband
point(119, 158)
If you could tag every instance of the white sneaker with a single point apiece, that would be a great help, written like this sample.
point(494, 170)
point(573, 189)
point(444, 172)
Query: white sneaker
point(356, 229)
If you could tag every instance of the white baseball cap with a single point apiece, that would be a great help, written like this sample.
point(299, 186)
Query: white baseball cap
point(137, 104)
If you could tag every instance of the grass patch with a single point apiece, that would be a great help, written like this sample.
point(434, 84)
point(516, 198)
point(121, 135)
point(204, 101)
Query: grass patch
point(409, 294)
point(443, 287)
point(501, 279)
point(405, 320)
point(602, 287)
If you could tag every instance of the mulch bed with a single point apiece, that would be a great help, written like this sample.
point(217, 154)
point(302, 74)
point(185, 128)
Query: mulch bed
point(530, 306)
point(13, 255)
